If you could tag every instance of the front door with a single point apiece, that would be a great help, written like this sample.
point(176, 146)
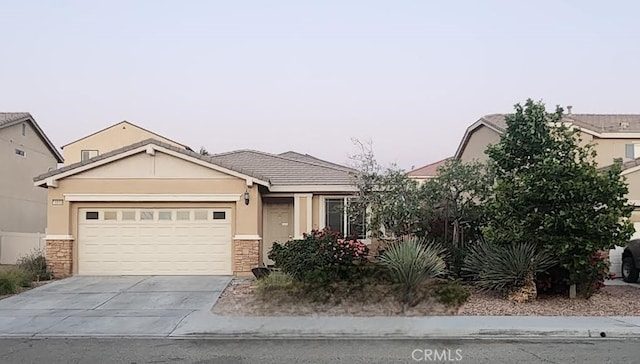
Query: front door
point(278, 224)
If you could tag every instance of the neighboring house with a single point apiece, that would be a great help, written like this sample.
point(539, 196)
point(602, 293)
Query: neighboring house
point(26, 152)
point(155, 207)
point(429, 171)
point(614, 136)
point(108, 139)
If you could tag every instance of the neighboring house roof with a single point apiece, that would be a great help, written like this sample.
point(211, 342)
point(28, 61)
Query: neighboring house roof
point(430, 170)
point(287, 171)
point(129, 123)
point(593, 123)
point(270, 169)
point(12, 118)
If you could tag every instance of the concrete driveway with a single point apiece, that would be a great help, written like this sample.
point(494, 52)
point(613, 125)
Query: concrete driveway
point(109, 306)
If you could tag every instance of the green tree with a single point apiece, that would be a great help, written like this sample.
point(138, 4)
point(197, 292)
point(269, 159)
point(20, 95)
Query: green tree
point(394, 202)
point(549, 191)
point(457, 197)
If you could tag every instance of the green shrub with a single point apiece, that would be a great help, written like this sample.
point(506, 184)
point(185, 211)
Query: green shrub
point(11, 281)
point(451, 293)
point(411, 261)
point(35, 264)
point(321, 256)
point(275, 281)
point(505, 268)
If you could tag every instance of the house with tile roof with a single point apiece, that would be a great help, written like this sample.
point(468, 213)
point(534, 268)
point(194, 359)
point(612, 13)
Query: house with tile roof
point(424, 173)
point(26, 152)
point(155, 207)
point(614, 136)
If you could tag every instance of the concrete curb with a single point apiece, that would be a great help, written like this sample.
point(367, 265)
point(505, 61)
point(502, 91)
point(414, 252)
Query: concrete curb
point(490, 327)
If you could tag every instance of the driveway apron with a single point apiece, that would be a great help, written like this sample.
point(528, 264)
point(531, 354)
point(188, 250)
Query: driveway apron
point(109, 306)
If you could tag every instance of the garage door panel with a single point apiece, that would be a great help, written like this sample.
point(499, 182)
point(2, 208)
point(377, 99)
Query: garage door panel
point(163, 245)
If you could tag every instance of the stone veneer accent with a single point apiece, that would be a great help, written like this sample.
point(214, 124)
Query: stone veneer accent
point(246, 255)
point(59, 255)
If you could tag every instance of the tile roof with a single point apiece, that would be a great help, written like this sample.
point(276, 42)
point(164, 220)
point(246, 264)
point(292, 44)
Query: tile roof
point(10, 118)
point(285, 170)
point(276, 170)
point(429, 170)
point(138, 145)
point(600, 123)
point(309, 158)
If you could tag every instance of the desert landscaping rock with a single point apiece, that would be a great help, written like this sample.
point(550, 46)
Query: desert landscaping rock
point(239, 299)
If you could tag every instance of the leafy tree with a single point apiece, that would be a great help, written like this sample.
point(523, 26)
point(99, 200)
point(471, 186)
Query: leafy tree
point(549, 191)
point(394, 202)
point(457, 197)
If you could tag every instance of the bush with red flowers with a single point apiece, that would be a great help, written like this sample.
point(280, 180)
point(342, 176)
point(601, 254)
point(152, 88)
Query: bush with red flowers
point(320, 256)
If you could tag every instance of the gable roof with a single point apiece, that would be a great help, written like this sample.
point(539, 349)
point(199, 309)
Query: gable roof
point(287, 171)
point(131, 124)
point(108, 157)
point(590, 123)
point(429, 170)
point(263, 168)
point(12, 118)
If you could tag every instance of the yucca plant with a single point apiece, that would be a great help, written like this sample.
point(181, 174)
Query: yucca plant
point(507, 269)
point(411, 261)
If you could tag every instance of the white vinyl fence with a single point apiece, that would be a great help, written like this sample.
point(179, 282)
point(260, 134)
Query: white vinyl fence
point(13, 246)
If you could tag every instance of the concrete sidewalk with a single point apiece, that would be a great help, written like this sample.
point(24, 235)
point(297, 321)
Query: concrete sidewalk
point(203, 324)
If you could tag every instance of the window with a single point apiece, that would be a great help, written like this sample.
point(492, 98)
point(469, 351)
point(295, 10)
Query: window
point(200, 215)
point(164, 215)
point(219, 215)
point(183, 215)
point(128, 215)
point(24, 129)
point(632, 151)
point(91, 215)
point(21, 152)
point(111, 215)
point(88, 154)
point(146, 215)
point(339, 218)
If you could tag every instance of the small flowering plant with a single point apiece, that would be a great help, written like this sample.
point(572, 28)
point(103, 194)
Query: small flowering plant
point(321, 255)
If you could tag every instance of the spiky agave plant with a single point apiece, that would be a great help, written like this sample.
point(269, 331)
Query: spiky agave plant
point(411, 261)
point(505, 268)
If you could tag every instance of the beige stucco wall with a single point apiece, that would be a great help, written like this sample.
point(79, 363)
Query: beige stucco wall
point(23, 206)
point(478, 142)
point(152, 174)
point(114, 137)
point(609, 149)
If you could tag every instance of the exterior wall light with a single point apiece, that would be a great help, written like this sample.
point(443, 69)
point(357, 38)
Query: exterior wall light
point(246, 197)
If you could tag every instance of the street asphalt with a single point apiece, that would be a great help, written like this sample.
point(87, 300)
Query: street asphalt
point(289, 351)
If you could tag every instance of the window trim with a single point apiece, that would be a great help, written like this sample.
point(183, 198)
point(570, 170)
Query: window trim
point(88, 151)
point(323, 214)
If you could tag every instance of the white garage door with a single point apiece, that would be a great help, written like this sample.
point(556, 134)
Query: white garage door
point(154, 241)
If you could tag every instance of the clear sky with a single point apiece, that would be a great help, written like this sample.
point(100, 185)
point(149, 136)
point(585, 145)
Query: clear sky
point(310, 75)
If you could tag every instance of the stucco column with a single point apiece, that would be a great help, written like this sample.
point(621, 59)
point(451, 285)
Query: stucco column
point(59, 256)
